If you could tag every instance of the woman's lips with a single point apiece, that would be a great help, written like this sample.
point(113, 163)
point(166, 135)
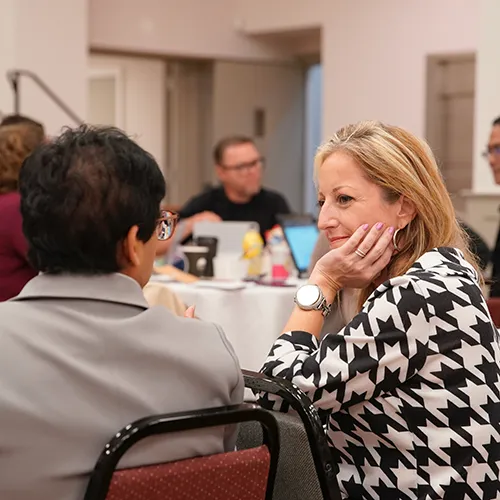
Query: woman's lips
point(337, 238)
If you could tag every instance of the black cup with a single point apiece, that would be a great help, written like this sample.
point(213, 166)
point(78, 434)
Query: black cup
point(211, 243)
point(197, 258)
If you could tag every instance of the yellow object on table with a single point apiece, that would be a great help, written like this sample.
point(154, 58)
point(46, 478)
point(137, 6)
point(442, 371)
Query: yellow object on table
point(253, 245)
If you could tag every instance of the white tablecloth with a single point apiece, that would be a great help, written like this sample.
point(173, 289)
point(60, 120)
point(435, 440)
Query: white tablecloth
point(252, 318)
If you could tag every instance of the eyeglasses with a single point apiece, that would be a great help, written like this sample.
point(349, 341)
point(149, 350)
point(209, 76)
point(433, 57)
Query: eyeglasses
point(491, 150)
point(166, 224)
point(245, 167)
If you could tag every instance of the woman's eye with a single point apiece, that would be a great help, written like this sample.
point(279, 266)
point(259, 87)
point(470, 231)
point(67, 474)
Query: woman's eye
point(320, 203)
point(343, 199)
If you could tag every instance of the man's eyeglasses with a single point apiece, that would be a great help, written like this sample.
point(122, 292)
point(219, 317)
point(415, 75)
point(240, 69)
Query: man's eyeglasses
point(245, 167)
point(491, 150)
point(165, 225)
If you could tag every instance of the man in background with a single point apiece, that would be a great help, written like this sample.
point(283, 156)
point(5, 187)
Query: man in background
point(492, 154)
point(240, 197)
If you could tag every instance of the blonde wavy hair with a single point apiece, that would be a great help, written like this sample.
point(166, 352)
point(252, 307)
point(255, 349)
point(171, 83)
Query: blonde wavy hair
point(402, 165)
point(17, 142)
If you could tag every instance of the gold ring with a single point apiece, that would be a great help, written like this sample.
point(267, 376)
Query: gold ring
point(360, 253)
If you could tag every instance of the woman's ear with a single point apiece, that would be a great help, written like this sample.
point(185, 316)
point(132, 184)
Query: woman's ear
point(406, 213)
point(131, 247)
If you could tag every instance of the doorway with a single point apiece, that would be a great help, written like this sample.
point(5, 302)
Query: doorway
point(450, 120)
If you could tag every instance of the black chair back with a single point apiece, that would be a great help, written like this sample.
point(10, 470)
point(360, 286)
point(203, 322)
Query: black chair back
point(297, 450)
point(106, 465)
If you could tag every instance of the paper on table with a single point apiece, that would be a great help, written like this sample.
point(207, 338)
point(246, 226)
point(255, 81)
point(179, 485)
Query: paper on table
point(222, 285)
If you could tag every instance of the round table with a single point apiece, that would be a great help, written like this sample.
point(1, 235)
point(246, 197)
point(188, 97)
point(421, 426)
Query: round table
point(252, 316)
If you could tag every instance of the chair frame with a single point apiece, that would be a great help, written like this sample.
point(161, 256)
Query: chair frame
point(100, 479)
point(326, 468)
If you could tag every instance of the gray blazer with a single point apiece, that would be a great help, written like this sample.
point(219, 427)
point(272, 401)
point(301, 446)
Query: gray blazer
point(81, 357)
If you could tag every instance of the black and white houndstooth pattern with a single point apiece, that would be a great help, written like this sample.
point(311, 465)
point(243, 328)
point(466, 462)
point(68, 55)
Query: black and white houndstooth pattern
point(413, 385)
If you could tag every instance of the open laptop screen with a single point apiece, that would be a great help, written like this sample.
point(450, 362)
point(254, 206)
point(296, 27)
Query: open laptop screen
point(301, 239)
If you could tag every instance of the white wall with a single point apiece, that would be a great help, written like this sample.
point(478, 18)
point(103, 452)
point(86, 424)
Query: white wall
point(7, 52)
point(264, 16)
point(373, 52)
point(191, 28)
point(144, 106)
point(374, 57)
point(48, 37)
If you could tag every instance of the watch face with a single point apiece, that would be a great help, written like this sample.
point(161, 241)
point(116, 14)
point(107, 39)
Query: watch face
point(308, 295)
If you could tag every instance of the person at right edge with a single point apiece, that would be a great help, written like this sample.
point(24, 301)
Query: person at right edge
point(492, 154)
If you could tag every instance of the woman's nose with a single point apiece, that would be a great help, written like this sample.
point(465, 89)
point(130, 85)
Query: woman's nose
point(326, 219)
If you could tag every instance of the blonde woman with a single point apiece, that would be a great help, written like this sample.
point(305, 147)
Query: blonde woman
point(412, 382)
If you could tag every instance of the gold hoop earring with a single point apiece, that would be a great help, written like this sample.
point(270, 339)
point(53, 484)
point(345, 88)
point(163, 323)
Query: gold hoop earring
point(394, 242)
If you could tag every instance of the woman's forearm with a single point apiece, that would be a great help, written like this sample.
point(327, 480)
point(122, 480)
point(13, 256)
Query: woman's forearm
point(305, 321)
point(311, 321)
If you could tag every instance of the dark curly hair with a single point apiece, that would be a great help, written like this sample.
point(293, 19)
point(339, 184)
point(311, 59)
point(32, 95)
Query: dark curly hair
point(81, 194)
point(16, 143)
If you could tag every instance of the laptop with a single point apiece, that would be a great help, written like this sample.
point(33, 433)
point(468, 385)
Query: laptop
point(301, 234)
point(229, 234)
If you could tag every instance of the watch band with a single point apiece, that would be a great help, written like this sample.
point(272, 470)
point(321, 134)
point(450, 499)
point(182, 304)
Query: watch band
point(320, 305)
point(325, 308)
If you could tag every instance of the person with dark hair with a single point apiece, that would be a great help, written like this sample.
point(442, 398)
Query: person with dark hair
point(81, 353)
point(16, 143)
point(240, 197)
point(492, 154)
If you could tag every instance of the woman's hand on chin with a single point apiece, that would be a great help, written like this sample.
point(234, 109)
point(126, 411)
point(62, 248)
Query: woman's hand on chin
point(358, 261)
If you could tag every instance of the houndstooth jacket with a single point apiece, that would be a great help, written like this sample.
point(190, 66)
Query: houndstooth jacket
point(413, 386)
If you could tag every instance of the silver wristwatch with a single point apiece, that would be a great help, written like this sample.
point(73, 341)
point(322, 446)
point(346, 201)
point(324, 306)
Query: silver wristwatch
point(311, 298)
